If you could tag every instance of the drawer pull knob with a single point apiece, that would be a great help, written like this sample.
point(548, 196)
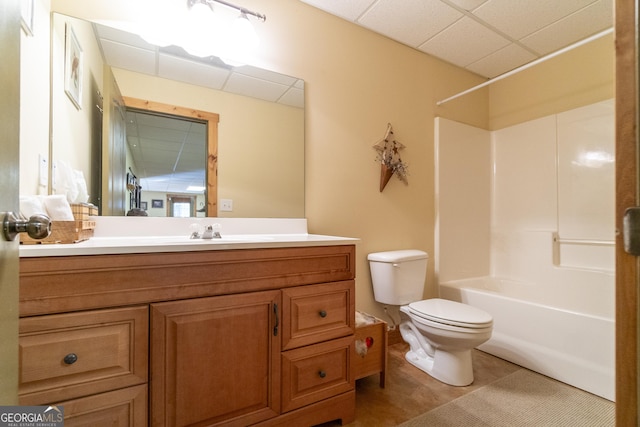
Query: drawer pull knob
point(322, 313)
point(70, 358)
point(322, 374)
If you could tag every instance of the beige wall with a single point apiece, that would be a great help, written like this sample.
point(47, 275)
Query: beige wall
point(579, 77)
point(356, 83)
point(34, 100)
point(71, 135)
point(72, 132)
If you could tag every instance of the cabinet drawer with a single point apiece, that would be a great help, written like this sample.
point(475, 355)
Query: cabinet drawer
point(126, 407)
point(317, 313)
point(71, 355)
point(371, 350)
point(316, 372)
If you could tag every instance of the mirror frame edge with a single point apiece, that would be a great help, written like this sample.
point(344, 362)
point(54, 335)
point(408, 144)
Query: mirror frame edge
point(212, 120)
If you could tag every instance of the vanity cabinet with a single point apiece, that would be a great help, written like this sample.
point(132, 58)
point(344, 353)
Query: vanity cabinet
point(211, 337)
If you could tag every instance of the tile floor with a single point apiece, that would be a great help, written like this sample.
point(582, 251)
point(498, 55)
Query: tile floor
point(410, 392)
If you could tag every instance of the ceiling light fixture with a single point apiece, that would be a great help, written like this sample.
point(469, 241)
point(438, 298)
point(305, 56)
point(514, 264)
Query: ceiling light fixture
point(202, 30)
point(242, 10)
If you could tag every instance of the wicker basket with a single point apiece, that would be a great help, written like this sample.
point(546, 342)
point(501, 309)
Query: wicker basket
point(82, 211)
point(68, 231)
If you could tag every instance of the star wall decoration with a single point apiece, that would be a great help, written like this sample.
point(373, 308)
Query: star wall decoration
point(388, 155)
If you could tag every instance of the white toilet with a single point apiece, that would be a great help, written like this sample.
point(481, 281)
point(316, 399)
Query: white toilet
point(441, 333)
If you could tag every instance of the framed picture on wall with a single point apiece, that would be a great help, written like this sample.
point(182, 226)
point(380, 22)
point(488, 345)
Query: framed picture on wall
point(72, 67)
point(26, 15)
point(157, 203)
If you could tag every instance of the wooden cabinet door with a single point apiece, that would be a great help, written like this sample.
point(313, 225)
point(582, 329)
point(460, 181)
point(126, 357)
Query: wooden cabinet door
point(215, 360)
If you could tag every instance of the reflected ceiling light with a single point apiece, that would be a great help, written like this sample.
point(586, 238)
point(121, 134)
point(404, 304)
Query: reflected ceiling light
point(158, 19)
point(594, 159)
point(203, 30)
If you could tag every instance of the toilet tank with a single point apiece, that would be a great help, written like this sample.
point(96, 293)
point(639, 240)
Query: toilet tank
point(398, 276)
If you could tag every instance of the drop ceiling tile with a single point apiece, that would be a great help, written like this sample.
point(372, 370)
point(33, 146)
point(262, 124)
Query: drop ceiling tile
point(518, 18)
point(502, 61)
point(189, 160)
point(146, 120)
point(347, 9)
point(197, 149)
point(293, 97)
point(129, 57)
point(195, 141)
point(467, 4)
point(159, 170)
point(161, 134)
point(156, 149)
point(267, 75)
point(464, 42)
point(582, 24)
point(172, 67)
point(257, 88)
point(134, 141)
point(132, 130)
point(116, 35)
point(177, 187)
point(411, 22)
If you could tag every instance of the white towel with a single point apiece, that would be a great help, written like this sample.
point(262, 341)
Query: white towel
point(58, 208)
point(81, 185)
point(31, 205)
point(70, 182)
point(65, 181)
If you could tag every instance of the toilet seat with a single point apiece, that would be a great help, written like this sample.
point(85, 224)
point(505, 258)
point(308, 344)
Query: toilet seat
point(451, 313)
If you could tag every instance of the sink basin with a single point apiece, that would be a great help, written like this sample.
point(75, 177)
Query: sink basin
point(168, 240)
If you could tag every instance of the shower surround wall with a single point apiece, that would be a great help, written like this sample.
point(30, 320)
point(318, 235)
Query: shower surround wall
point(533, 205)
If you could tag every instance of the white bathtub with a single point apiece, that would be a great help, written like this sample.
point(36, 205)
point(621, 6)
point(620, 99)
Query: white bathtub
point(568, 344)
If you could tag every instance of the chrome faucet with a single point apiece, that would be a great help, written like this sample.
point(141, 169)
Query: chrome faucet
point(212, 232)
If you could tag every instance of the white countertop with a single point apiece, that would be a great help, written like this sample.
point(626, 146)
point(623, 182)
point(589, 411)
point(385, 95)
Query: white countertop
point(121, 235)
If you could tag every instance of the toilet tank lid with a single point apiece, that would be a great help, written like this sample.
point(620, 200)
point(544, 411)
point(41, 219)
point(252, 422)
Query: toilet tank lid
point(398, 256)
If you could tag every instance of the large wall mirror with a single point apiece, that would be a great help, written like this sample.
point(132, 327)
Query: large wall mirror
point(258, 168)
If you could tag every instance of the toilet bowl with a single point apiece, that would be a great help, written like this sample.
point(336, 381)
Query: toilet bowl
point(441, 334)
